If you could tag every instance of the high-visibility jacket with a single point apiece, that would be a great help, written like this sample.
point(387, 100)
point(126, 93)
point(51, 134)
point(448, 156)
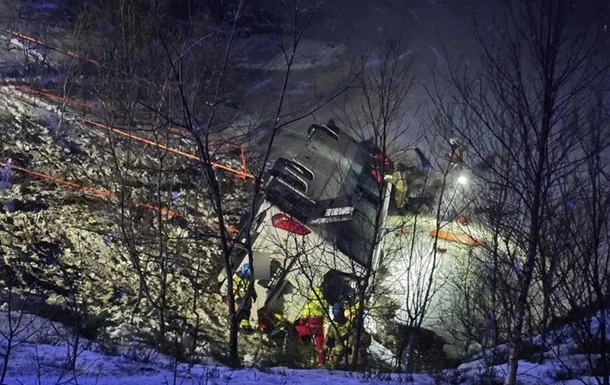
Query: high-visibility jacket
point(337, 334)
point(240, 287)
point(399, 180)
point(351, 310)
point(311, 321)
point(341, 341)
point(316, 306)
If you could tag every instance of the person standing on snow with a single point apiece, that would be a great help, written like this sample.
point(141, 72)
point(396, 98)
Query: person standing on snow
point(311, 322)
point(336, 343)
point(399, 180)
point(341, 342)
point(241, 281)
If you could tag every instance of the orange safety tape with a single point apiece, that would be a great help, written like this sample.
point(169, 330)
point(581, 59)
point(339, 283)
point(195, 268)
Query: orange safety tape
point(106, 194)
point(92, 190)
point(160, 209)
point(73, 101)
point(40, 42)
point(243, 174)
point(140, 139)
point(164, 147)
point(51, 96)
point(45, 176)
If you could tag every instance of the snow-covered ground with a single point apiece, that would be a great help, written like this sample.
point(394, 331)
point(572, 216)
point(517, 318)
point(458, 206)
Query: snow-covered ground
point(42, 353)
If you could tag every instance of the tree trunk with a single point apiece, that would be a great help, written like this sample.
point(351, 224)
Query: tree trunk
point(521, 307)
point(514, 345)
point(603, 368)
point(233, 347)
point(410, 348)
point(7, 353)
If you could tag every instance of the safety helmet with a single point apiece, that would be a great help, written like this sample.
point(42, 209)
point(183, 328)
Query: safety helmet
point(246, 270)
point(453, 141)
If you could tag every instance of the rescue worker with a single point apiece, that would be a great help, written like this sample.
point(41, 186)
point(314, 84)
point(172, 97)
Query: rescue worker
point(341, 342)
point(337, 290)
point(399, 180)
point(456, 157)
point(365, 341)
point(241, 281)
point(337, 343)
point(274, 324)
point(310, 323)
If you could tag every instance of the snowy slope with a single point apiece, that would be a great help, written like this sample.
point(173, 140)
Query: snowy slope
point(41, 350)
point(41, 354)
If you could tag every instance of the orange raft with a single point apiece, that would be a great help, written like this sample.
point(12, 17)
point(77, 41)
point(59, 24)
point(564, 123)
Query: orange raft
point(452, 236)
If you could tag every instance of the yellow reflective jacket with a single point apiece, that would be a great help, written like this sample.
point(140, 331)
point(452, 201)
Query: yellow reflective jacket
point(240, 287)
point(316, 306)
point(351, 311)
point(399, 180)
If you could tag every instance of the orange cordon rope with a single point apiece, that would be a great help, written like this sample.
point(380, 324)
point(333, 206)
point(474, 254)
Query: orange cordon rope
point(100, 192)
point(243, 174)
point(72, 54)
point(108, 195)
point(40, 42)
point(143, 140)
point(93, 190)
point(162, 210)
point(185, 154)
point(52, 96)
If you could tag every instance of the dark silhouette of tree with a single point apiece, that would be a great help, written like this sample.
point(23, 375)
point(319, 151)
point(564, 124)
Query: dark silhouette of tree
point(513, 112)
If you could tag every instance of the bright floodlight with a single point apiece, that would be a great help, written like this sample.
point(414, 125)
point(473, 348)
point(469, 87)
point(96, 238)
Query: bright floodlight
point(462, 180)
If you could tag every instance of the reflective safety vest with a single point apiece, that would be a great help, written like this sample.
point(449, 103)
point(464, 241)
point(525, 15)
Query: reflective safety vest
point(351, 311)
point(316, 306)
point(399, 181)
point(338, 332)
point(240, 287)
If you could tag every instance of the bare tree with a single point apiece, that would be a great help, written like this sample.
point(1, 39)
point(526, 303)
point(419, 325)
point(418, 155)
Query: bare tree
point(580, 236)
point(151, 185)
point(514, 116)
point(374, 112)
point(378, 111)
point(193, 102)
point(15, 299)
